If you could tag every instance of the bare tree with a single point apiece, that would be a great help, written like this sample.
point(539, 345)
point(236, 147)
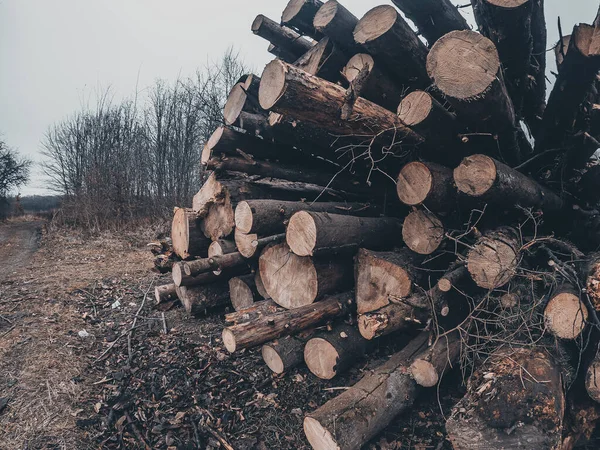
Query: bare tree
point(14, 172)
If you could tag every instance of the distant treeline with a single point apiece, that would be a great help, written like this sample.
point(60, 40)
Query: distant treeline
point(34, 204)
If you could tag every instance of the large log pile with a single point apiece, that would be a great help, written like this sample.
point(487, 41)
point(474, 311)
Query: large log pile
point(372, 182)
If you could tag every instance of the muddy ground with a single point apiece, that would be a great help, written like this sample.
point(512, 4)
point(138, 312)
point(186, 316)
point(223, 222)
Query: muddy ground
point(75, 375)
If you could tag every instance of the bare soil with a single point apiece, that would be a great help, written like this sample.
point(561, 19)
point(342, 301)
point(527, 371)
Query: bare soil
point(74, 375)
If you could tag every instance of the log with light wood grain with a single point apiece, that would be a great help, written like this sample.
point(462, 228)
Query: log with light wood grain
point(515, 400)
point(465, 67)
point(566, 314)
point(350, 420)
point(282, 37)
point(329, 353)
point(382, 277)
point(254, 312)
point(282, 54)
point(217, 263)
point(433, 18)
point(325, 60)
point(387, 37)
point(424, 114)
point(507, 23)
point(260, 287)
point(314, 233)
point(266, 217)
point(294, 281)
point(372, 82)
point(494, 259)
point(165, 293)
point(242, 292)
point(250, 244)
point(291, 91)
point(300, 14)
point(423, 232)
point(336, 22)
point(426, 183)
point(197, 300)
point(187, 236)
point(285, 323)
point(240, 100)
point(181, 278)
point(284, 354)
point(483, 177)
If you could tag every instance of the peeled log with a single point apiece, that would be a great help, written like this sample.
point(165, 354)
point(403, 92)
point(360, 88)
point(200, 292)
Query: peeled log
point(515, 401)
point(433, 18)
point(198, 299)
point(284, 354)
point(282, 37)
point(337, 23)
point(266, 217)
point(311, 233)
point(285, 323)
point(350, 420)
point(250, 244)
point(300, 14)
point(423, 232)
point(565, 313)
point(426, 183)
point(187, 236)
point(383, 277)
point(165, 293)
point(242, 292)
point(387, 36)
point(330, 353)
point(494, 259)
point(494, 182)
point(375, 84)
point(294, 281)
point(290, 91)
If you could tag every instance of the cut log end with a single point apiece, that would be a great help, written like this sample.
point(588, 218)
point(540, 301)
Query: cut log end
point(272, 359)
point(321, 358)
point(210, 144)
point(446, 64)
point(247, 244)
point(566, 315)
point(177, 274)
point(375, 23)
point(357, 64)
point(272, 84)
point(243, 217)
point(318, 436)
point(415, 108)
point(424, 373)
point(292, 9)
point(414, 183)
point(229, 341)
point(371, 325)
point(492, 263)
point(592, 381)
point(240, 294)
point(444, 285)
point(423, 232)
point(235, 104)
point(475, 175)
point(325, 15)
point(301, 234)
point(256, 24)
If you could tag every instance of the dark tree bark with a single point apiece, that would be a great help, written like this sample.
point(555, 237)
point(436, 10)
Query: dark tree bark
point(197, 300)
point(282, 37)
point(325, 60)
point(284, 354)
point(300, 14)
point(426, 183)
point(337, 23)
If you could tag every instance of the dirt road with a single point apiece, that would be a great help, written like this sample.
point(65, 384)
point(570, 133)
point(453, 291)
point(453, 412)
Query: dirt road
point(18, 242)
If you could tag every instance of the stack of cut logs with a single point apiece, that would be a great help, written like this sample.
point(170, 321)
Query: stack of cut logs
point(402, 173)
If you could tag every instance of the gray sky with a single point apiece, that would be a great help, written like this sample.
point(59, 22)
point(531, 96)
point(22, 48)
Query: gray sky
point(55, 55)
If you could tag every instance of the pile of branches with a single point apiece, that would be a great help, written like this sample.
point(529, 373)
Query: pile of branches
point(373, 181)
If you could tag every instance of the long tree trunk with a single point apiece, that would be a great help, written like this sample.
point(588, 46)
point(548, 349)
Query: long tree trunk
point(165, 293)
point(312, 233)
point(285, 323)
point(348, 421)
point(294, 281)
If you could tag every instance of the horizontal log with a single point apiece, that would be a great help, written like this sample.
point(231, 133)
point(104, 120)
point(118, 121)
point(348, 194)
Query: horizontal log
point(325, 60)
point(282, 54)
point(336, 22)
point(256, 311)
point(187, 236)
point(300, 14)
point(250, 245)
point(494, 259)
point(181, 278)
point(285, 323)
point(452, 278)
point(197, 300)
point(242, 98)
point(165, 293)
point(284, 354)
point(282, 37)
point(242, 292)
point(426, 183)
point(313, 233)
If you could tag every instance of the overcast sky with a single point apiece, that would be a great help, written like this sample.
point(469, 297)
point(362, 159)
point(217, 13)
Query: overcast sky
point(56, 54)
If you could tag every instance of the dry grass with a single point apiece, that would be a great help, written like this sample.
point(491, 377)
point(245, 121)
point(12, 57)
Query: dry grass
point(42, 358)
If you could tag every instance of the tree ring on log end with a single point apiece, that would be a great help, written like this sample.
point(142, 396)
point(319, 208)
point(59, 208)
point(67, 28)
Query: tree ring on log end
point(423, 232)
point(291, 10)
point(177, 273)
point(180, 233)
point(492, 263)
point(424, 373)
point(229, 340)
point(356, 64)
point(318, 437)
point(375, 23)
point(235, 104)
point(272, 84)
point(463, 64)
point(325, 15)
point(272, 359)
point(566, 315)
point(371, 326)
point(321, 358)
point(508, 4)
point(475, 175)
point(240, 294)
point(414, 183)
point(210, 144)
point(243, 217)
point(415, 108)
point(301, 234)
